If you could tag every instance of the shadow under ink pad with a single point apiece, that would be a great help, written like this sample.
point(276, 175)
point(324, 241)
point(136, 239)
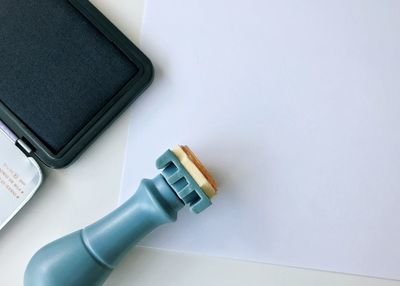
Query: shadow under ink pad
point(65, 73)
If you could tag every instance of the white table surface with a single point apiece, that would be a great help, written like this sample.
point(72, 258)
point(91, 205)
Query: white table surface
point(74, 197)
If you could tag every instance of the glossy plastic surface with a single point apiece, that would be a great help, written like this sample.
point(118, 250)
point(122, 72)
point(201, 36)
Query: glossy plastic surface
point(87, 257)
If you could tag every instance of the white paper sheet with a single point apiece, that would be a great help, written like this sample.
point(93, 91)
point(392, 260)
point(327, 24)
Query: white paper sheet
point(295, 107)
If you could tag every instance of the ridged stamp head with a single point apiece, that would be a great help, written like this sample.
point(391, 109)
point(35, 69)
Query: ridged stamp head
point(196, 169)
point(188, 177)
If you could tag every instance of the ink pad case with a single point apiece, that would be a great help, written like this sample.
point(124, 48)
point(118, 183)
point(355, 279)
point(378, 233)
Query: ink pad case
point(66, 72)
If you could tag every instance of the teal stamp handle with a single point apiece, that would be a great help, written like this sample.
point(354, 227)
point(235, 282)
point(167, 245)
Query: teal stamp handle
point(87, 257)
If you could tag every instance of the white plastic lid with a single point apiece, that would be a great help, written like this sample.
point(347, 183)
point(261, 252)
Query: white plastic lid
point(20, 176)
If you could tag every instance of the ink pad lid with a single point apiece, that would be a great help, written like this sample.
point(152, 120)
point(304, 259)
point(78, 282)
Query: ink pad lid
point(20, 176)
point(66, 73)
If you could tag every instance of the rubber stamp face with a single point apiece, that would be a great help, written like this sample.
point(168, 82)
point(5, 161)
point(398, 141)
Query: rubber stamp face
point(20, 177)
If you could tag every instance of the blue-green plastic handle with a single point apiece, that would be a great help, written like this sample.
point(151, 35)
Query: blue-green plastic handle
point(87, 257)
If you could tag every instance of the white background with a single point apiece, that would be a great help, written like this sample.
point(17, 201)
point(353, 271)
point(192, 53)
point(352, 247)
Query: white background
point(74, 197)
point(294, 107)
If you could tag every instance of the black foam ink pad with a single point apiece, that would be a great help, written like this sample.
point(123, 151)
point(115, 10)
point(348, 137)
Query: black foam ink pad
point(65, 72)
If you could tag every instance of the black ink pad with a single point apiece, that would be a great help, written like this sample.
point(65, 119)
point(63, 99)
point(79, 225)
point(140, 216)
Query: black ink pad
point(65, 73)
